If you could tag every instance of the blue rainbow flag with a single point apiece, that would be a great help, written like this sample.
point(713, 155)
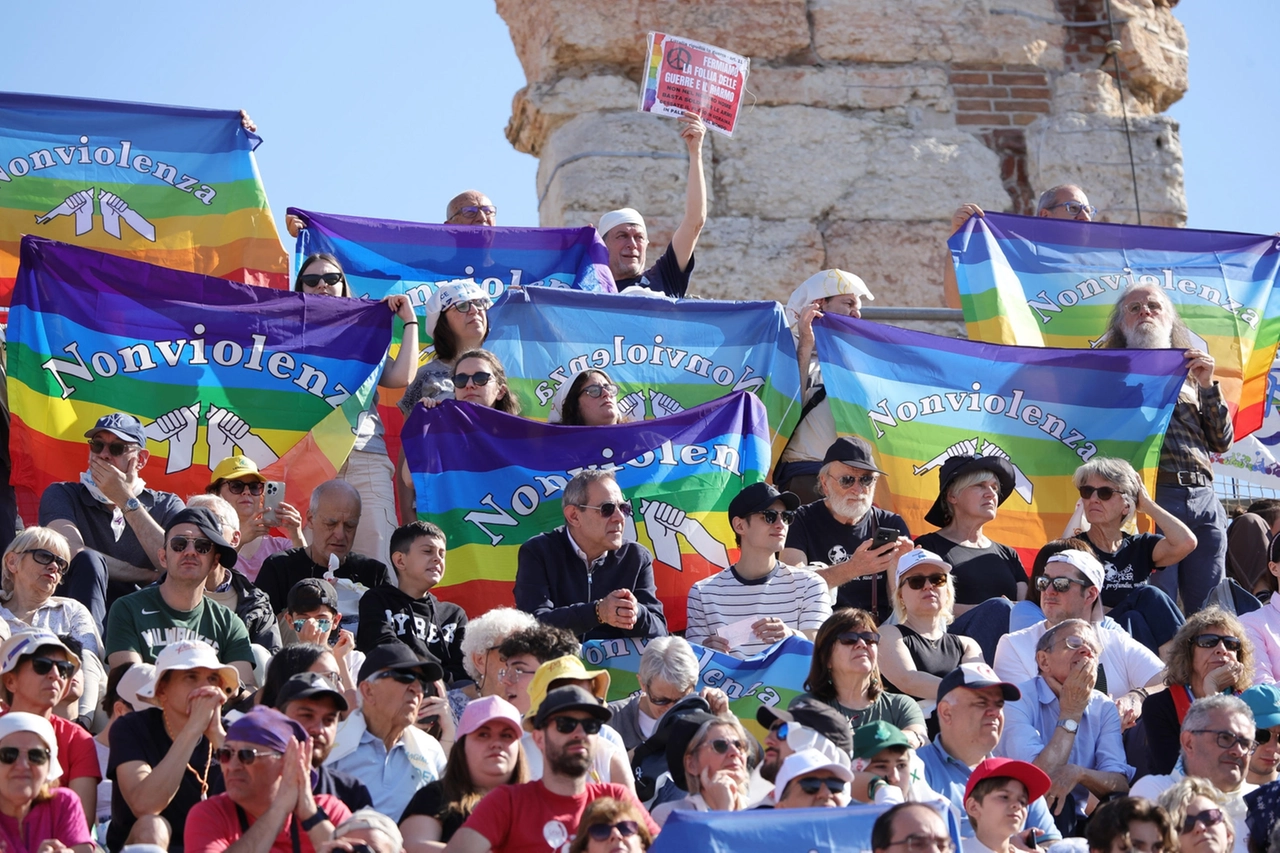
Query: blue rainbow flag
point(920, 398)
point(1036, 281)
point(492, 481)
point(665, 356)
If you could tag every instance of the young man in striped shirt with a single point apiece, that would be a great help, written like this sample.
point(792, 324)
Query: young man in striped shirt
point(750, 606)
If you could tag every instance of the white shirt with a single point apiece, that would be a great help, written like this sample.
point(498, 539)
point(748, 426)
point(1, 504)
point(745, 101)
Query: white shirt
point(1128, 663)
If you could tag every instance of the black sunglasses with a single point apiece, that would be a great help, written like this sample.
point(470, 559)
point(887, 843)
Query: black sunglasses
point(866, 481)
point(480, 378)
point(46, 558)
point(246, 756)
point(852, 638)
point(771, 515)
point(399, 676)
point(1105, 493)
point(117, 448)
point(721, 745)
point(1262, 736)
point(1210, 641)
point(313, 279)
point(812, 784)
point(237, 487)
point(35, 756)
point(600, 390)
point(608, 508)
point(1059, 584)
point(602, 831)
point(42, 666)
point(178, 544)
point(917, 582)
point(1209, 817)
point(567, 725)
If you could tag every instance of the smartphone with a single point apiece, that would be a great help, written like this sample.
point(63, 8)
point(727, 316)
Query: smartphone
point(428, 691)
point(273, 496)
point(884, 536)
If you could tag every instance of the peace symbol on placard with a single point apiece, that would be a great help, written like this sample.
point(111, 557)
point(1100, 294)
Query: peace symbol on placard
point(679, 58)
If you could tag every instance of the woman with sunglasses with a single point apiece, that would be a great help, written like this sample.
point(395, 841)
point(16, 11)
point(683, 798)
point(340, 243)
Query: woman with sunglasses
point(590, 400)
point(478, 378)
point(708, 757)
point(486, 754)
point(367, 467)
point(1111, 495)
point(611, 826)
point(36, 674)
point(35, 816)
point(1197, 811)
point(845, 674)
point(918, 651)
point(237, 480)
point(1209, 655)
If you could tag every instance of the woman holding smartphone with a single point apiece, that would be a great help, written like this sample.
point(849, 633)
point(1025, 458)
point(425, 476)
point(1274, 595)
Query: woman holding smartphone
point(237, 480)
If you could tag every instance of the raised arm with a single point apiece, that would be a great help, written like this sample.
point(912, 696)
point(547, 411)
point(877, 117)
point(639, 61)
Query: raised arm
point(686, 234)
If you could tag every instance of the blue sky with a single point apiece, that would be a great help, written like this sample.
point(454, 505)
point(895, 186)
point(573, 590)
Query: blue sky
point(392, 111)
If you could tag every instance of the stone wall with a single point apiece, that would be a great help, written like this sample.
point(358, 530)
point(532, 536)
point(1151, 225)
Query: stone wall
point(867, 122)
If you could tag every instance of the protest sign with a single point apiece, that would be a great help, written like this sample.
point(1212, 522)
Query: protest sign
point(685, 75)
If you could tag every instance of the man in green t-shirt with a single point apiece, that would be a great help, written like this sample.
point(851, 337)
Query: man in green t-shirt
point(141, 624)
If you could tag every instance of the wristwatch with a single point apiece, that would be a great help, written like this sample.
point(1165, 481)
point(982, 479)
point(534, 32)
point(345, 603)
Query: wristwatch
point(132, 504)
point(1069, 725)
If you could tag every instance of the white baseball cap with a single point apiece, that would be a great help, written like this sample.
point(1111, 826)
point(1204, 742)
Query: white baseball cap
point(1082, 561)
point(188, 654)
point(918, 557)
point(621, 216)
point(26, 643)
point(367, 818)
point(803, 763)
point(136, 677)
point(450, 293)
point(21, 721)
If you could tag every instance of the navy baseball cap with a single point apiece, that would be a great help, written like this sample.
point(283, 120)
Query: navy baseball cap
point(122, 426)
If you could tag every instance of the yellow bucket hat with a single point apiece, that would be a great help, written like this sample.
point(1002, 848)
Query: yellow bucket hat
point(567, 668)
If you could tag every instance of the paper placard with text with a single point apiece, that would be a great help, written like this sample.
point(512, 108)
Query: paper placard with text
point(683, 74)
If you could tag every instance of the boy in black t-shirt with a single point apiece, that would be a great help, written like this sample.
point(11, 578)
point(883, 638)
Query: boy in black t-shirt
point(410, 613)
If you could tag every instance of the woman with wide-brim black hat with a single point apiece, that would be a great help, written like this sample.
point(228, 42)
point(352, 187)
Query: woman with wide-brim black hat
point(971, 490)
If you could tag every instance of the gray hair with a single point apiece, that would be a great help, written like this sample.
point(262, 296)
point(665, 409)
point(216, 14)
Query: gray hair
point(1048, 638)
point(334, 487)
point(221, 509)
point(1118, 472)
point(1049, 196)
point(1114, 336)
point(1202, 709)
point(575, 494)
point(488, 632)
point(668, 658)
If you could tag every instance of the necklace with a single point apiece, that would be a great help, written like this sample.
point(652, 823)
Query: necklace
point(201, 779)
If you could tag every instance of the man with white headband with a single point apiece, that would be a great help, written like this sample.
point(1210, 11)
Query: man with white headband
point(624, 232)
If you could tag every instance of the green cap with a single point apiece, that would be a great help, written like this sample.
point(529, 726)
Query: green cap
point(870, 739)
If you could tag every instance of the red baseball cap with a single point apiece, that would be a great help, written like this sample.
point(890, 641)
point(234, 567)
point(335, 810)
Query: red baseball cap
point(1036, 780)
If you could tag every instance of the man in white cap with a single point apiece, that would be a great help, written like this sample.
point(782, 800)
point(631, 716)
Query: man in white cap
point(1127, 670)
point(624, 232)
point(838, 292)
point(808, 779)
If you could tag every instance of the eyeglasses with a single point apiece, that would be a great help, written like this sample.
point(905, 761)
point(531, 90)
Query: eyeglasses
point(470, 305)
point(847, 481)
point(399, 676)
point(1059, 584)
point(475, 211)
point(721, 745)
point(514, 673)
point(46, 558)
point(36, 756)
point(178, 544)
point(1210, 641)
point(771, 516)
point(1227, 740)
point(1153, 306)
point(602, 831)
point(568, 725)
point(314, 279)
point(1075, 643)
point(917, 582)
point(598, 391)
point(922, 843)
point(323, 624)
point(813, 784)
point(1208, 817)
point(43, 666)
point(1105, 493)
point(237, 487)
point(480, 378)
point(1074, 208)
point(852, 638)
point(608, 508)
point(246, 756)
point(116, 448)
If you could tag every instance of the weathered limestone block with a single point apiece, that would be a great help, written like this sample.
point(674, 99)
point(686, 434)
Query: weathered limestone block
point(937, 30)
point(1153, 51)
point(1090, 150)
point(540, 108)
point(1090, 92)
point(902, 262)
point(748, 258)
point(868, 87)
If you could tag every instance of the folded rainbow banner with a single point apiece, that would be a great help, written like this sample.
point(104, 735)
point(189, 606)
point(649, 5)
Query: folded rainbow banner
point(210, 367)
point(173, 186)
point(920, 398)
point(1036, 281)
point(492, 481)
point(665, 356)
point(772, 678)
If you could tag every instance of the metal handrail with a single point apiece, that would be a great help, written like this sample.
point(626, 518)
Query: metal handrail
point(909, 312)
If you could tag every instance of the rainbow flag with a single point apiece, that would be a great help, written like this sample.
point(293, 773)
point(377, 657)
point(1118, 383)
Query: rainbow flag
point(665, 356)
point(920, 398)
point(492, 481)
point(1036, 281)
point(173, 186)
point(772, 678)
point(210, 367)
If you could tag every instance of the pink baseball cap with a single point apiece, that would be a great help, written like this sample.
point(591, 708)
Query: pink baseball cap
point(487, 710)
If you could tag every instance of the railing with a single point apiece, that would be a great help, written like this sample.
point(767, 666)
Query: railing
point(904, 312)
